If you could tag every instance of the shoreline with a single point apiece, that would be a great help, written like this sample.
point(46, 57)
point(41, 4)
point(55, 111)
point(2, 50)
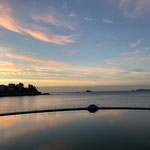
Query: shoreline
point(24, 95)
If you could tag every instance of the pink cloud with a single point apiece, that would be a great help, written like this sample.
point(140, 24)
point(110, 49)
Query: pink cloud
point(134, 8)
point(60, 66)
point(133, 52)
point(131, 58)
point(107, 21)
point(31, 59)
point(136, 43)
point(145, 58)
point(9, 22)
point(108, 61)
point(52, 19)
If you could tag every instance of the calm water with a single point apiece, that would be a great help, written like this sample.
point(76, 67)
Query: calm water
point(76, 130)
point(118, 130)
point(59, 100)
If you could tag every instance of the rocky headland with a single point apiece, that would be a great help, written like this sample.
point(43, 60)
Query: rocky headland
point(19, 90)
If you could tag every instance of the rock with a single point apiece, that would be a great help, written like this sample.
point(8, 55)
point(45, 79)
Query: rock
point(88, 91)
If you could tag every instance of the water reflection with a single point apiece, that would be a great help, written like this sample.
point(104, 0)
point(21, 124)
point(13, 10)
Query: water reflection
point(76, 130)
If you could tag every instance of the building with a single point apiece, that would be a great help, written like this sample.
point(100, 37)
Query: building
point(18, 90)
point(31, 87)
point(11, 87)
point(20, 86)
point(2, 88)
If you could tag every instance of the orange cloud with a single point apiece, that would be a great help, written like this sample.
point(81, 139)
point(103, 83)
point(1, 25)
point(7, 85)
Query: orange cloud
point(8, 66)
point(52, 38)
point(42, 68)
point(31, 59)
point(60, 66)
point(61, 39)
point(57, 73)
point(107, 70)
point(55, 81)
point(8, 22)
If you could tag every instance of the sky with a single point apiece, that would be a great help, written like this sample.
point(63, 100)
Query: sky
point(75, 42)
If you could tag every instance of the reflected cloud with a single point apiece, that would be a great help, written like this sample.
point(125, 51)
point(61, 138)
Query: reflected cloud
point(14, 126)
point(6, 122)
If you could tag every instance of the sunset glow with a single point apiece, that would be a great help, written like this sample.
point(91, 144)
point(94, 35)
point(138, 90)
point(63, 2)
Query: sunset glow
point(62, 43)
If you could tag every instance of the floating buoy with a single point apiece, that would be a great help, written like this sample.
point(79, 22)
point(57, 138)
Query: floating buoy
point(92, 108)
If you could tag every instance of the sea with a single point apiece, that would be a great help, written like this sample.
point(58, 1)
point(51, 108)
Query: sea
point(76, 130)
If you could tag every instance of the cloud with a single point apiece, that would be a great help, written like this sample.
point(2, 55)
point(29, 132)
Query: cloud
point(52, 38)
point(9, 22)
point(53, 19)
point(57, 81)
point(72, 52)
point(131, 58)
point(7, 49)
point(133, 52)
point(73, 14)
point(145, 58)
point(146, 48)
point(6, 20)
point(107, 21)
point(136, 43)
point(8, 66)
point(108, 61)
point(60, 73)
point(88, 19)
point(134, 8)
point(31, 59)
point(47, 65)
point(65, 4)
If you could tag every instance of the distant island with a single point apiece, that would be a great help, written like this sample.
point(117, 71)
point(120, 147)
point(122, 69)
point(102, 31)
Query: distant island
point(143, 90)
point(88, 91)
point(19, 90)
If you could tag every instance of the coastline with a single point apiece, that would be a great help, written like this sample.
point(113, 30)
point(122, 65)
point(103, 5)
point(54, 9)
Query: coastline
point(12, 90)
point(17, 95)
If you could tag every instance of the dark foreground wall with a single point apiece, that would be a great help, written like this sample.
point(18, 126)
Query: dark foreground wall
point(75, 109)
